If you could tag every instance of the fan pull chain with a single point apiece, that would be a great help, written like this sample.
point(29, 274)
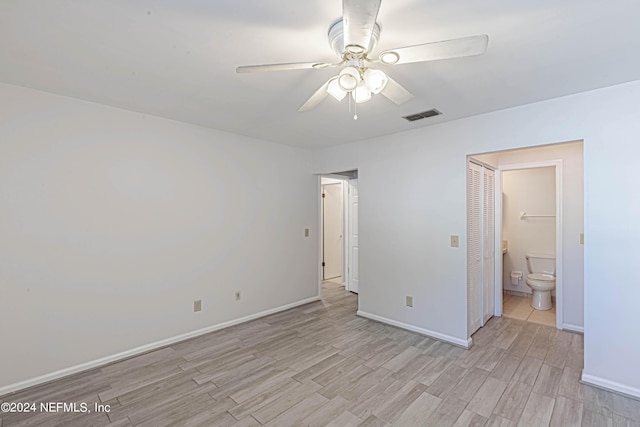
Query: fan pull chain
point(355, 105)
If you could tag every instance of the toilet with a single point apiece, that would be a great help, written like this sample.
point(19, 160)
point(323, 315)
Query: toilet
point(541, 279)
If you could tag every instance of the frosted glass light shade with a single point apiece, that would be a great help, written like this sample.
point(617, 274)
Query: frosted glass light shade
point(362, 93)
point(349, 78)
point(335, 90)
point(375, 80)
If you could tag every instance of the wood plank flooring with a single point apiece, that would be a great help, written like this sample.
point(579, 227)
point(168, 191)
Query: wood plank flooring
point(320, 365)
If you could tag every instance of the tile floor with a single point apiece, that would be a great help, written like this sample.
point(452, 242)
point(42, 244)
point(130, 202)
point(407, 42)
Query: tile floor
point(320, 364)
point(337, 280)
point(517, 307)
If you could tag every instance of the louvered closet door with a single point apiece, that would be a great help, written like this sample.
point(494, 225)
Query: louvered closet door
point(488, 244)
point(474, 254)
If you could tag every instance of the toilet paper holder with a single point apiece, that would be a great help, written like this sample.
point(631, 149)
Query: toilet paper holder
point(516, 277)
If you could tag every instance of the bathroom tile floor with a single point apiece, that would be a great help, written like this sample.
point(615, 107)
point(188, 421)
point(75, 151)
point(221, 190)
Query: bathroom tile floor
point(517, 307)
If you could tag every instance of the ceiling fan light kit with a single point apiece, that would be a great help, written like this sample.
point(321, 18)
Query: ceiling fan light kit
point(353, 37)
point(361, 93)
point(349, 78)
point(334, 89)
point(376, 80)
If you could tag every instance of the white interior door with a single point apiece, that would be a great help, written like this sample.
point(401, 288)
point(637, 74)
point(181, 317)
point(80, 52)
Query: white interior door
point(332, 237)
point(474, 247)
point(480, 245)
point(488, 244)
point(352, 274)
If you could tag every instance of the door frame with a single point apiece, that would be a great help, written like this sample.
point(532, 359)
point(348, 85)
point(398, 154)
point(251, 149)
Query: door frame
point(498, 284)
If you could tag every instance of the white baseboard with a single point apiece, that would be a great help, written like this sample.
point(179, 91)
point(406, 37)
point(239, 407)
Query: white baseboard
point(144, 349)
point(573, 328)
point(432, 334)
point(517, 292)
point(611, 385)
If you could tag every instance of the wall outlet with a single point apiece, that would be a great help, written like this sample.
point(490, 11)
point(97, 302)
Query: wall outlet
point(455, 241)
point(409, 301)
point(306, 232)
point(197, 305)
point(237, 295)
point(582, 238)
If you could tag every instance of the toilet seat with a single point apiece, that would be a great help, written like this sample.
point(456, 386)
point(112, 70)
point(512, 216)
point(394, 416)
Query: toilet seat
point(541, 277)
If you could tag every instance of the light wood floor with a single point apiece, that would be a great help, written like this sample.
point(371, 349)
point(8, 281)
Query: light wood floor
point(320, 365)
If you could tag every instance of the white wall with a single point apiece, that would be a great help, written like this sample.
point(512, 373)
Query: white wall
point(112, 223)
point(412, 197)
point(532, 191)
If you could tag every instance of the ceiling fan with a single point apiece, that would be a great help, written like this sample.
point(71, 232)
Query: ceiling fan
point(353, 37)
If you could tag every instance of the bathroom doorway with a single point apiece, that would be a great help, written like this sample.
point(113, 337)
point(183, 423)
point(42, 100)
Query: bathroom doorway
point(528, 229)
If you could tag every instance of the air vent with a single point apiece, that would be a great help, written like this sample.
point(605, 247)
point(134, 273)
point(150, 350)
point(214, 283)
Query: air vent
point(423, 115)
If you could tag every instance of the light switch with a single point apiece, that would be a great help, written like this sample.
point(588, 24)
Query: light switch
point(409, 301)
point(306, 232)
point(455, 241)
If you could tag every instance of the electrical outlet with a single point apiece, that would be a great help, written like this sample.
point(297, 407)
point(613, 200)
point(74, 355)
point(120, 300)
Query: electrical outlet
point(409, 301)
point(455, 241)
point(582, 238)
point(306, 232)
point(237, 295)
point(197, 305)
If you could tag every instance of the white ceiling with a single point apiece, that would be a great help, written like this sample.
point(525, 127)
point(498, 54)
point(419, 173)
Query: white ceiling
point(177, 58)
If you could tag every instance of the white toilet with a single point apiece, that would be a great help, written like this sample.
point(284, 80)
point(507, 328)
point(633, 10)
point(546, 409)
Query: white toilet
point(541, 279)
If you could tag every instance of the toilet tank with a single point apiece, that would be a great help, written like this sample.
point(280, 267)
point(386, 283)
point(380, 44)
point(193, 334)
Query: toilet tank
point(538, 262)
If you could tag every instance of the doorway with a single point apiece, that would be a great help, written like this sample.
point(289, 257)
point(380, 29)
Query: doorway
point(332, 229)
point(339, 239)
point(529, 229)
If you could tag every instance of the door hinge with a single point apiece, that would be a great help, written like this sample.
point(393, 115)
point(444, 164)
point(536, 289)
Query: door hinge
point(323, 195)
point(323, 264)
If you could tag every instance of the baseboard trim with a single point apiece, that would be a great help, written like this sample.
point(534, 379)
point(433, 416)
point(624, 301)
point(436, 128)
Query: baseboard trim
point(11, 388)
point(426, 332)
point(573, 328)
point(610, 386)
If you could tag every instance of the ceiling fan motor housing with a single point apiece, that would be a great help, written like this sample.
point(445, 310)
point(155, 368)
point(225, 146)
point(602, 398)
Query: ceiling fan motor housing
point(336, 41)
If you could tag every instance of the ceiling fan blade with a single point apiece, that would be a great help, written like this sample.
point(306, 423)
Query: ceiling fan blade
point(466, 46)
point(396, 92)
point(358, 19)
point(316, 98)
point(285, 66)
